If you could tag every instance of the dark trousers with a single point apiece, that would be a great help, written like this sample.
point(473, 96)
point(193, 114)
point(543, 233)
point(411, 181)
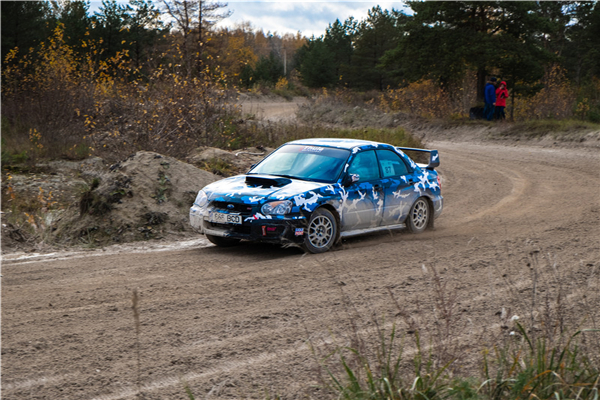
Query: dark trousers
point(488, 111)
point(500, 112)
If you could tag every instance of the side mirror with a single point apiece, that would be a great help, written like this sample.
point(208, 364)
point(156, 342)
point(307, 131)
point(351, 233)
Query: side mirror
point(350, 179)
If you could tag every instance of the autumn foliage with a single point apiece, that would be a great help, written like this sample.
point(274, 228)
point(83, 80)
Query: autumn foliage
point(121, 81)
point(79, 105)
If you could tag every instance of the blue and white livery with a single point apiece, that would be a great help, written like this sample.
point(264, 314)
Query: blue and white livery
point(313, 192)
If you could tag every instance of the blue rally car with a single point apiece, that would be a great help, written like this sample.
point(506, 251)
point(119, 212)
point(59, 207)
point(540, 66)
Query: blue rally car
point(313, 192)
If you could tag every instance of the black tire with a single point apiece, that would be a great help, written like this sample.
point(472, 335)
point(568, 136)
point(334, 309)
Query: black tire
point(420, 214)
point(222, 241)
point(321, 232)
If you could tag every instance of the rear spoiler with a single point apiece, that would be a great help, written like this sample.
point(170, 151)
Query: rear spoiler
point(434, 157)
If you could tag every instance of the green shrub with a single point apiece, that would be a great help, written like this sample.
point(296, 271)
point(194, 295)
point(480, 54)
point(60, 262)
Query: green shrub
point(594, 116)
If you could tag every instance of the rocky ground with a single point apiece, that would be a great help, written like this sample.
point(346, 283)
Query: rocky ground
point(519, 235)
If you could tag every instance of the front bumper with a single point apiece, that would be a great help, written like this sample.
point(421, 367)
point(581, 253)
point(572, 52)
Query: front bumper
point(254, 227)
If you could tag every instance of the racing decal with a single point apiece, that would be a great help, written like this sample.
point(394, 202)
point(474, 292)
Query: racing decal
point(258, 216)
point(375, 193)
point(379, 207)
point(313, 149)
point(302, 201)
point(299, 232)
point(330, 188)
point(400, 211)
point(398, 194)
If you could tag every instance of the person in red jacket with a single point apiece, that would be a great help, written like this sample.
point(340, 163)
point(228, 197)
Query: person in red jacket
point(501, 96)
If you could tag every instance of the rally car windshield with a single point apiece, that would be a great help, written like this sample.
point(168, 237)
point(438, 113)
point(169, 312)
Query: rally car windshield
point(311, 163)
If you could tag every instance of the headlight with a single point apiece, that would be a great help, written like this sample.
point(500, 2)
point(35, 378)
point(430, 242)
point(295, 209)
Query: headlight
point(277, 208)
point(201, 199)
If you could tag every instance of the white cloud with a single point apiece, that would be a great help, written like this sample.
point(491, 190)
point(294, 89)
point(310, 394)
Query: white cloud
point(307, 17)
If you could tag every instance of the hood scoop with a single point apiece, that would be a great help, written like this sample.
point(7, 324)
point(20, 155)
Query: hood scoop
point(266, 181)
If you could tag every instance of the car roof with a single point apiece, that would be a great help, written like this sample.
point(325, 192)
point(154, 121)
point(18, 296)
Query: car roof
point(339, 143)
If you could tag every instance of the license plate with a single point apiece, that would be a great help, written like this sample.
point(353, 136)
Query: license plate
point(223, 218)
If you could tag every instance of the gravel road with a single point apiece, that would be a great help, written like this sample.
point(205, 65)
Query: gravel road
point(519, 222)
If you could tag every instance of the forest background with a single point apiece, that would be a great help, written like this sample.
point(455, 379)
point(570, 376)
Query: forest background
point(161, 76)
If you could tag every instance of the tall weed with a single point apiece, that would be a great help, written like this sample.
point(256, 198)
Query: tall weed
point(535, 356)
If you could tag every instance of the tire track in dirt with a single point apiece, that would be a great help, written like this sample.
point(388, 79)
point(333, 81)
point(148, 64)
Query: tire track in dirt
point(516, 185)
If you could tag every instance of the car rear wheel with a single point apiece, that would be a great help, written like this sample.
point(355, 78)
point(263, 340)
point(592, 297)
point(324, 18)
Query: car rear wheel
point(322, 231)
point(419, 216)
point(222, 241)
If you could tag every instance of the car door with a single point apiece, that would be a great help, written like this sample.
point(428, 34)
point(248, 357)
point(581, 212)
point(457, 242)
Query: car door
point(362, 202)
point(398, 187)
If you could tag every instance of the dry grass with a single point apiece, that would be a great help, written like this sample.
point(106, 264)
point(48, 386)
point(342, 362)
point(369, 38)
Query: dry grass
point(544, 347)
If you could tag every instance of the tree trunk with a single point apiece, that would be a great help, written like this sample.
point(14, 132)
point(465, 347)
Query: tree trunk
point(200, 37)
point(512, 106)
point(481, 74)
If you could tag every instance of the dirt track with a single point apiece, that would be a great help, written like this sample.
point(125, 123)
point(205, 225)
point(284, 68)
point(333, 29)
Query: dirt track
point(233, 323)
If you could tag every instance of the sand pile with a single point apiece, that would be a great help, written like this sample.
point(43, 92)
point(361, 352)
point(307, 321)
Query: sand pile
point(146, 196)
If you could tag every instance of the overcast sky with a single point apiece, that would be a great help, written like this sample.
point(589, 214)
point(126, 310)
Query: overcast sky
point(307, 17)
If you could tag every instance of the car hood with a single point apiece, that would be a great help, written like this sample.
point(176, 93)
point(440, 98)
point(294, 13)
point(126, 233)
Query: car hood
point(255, 189)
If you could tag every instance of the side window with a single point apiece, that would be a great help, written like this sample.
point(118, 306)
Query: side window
point(365, 165)
point(391, 164)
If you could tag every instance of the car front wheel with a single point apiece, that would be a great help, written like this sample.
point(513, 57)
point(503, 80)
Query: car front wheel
point(322, 231)
point(419, 216)
point(222, 241)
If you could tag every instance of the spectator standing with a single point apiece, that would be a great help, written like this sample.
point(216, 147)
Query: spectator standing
point(490, 99)
point(501, 96)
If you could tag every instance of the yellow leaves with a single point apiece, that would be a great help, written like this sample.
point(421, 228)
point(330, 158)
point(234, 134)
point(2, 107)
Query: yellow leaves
point(9, 188)
point(423, 98)
point(282, 84)
point(31, 220)
point(118, 103)
point(556, 100)
point(582, 108)
point(89, 122)
point(35, 137)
